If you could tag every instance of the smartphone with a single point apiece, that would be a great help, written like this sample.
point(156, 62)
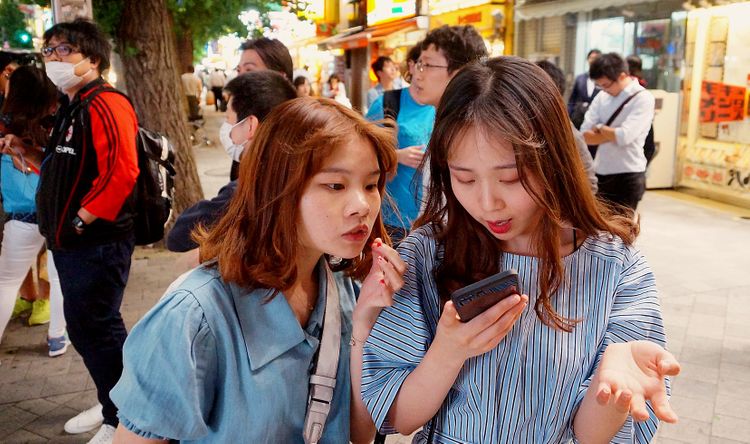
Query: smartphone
point(479, 296)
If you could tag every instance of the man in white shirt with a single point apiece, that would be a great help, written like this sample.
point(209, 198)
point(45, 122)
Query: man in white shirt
point(620, 163)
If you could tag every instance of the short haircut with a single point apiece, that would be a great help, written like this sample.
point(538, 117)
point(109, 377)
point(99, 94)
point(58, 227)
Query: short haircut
point(555, 74)
point(593, 51)
point(273, 53)
point(86, 36)
point(257, 93)
point(191, 68)
point(300, 80)
point(609, 65)
point(379, 64)
point(461, 45)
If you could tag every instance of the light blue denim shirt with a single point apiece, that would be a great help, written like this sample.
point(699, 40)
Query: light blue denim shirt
point(213, 363)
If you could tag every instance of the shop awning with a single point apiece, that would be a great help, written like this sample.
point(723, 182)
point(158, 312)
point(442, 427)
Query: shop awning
point(533, 10)
point(373, 34)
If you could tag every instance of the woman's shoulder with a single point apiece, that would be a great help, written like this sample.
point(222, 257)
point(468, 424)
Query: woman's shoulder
point(609, 247)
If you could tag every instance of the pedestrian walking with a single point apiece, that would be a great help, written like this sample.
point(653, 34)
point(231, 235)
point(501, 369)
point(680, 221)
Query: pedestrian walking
point(336, 90)
point(193, 87)
point(578, 350)
point(226, 355)
point(217, 80)
point(584, 91)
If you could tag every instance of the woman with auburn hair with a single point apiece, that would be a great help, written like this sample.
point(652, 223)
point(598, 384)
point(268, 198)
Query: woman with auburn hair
point(227, 354)
point(508, 191)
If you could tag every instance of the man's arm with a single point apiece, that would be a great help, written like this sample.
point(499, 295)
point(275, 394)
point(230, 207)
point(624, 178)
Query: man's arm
point(113, 131)
point(205, 212)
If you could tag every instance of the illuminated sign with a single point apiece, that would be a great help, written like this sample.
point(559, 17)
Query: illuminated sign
point(443, 6)
point(384, 11)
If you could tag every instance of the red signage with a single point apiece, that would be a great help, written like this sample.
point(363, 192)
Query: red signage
point(721, 102)
point(470, 18)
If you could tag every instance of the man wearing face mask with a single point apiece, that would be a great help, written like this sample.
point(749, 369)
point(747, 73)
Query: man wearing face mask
point(85, 208)
point(252, 96)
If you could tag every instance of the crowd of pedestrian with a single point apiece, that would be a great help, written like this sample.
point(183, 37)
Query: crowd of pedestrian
point(320, 302)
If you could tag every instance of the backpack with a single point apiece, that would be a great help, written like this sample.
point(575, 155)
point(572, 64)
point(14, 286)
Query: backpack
point(154, 188)
point(391, 104)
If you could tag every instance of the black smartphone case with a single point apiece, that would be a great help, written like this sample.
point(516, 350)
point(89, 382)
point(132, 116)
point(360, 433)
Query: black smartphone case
point(479, 296)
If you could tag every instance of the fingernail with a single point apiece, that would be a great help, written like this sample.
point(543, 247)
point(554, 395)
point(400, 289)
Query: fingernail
point(382, 281)
point(380, 258)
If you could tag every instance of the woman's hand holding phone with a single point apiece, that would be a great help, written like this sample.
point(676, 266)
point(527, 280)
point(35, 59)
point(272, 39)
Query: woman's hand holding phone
point(463, 340)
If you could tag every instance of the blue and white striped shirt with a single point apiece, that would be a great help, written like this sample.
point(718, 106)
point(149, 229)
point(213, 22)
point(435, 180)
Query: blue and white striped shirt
point(529, 387)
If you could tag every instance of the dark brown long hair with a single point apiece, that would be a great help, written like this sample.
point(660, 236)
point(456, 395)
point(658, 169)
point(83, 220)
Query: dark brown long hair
point(29, 105)
point(256, 243)
point(513, 100)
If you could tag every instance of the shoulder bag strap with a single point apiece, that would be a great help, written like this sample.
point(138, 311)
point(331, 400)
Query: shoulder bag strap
point(323, 381)
point(619, 108)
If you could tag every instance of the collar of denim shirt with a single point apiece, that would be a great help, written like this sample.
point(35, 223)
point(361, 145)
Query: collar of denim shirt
point(270, 328)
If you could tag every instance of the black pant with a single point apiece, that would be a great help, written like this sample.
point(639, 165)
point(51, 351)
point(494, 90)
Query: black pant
point(93, 282)
point(624, 189)
point(219, 98)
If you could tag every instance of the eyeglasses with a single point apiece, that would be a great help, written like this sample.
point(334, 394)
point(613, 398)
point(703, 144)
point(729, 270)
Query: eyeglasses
point(62, 50)
point(421, 66)
point(600, 86)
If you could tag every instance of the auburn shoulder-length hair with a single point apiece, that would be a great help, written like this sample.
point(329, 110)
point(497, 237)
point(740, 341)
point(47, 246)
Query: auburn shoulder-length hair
point(255, 244)
point(512, 99)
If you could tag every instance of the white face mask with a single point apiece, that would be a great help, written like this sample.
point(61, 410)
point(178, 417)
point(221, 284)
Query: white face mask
point(225, 136)
point(63, 74)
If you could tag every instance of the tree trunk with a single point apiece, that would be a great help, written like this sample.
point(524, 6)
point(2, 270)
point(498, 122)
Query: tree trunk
point(147, 46)
point(185, 49)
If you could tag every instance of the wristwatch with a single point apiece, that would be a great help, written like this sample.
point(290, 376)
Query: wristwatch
point(78, 224)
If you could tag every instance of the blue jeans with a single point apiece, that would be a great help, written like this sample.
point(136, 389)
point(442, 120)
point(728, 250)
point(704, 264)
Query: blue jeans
point(93, 281)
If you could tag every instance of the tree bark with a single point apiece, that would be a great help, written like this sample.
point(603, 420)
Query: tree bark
point(147, 48)
point(185, 49)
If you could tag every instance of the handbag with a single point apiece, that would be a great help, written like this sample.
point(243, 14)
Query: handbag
point(323, 381)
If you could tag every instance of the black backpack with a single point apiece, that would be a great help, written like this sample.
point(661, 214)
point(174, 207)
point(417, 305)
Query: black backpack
point(154, 189)
point(391, 104)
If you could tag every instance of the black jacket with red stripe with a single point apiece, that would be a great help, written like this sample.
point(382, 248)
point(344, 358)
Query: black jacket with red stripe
point(90, 162)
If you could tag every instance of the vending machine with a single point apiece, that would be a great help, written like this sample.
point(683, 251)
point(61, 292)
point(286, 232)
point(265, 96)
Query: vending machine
point(661, 170)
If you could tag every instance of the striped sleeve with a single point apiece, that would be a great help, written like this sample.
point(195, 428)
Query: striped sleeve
point(113, 132)
point(399, 339)
point(635, 315)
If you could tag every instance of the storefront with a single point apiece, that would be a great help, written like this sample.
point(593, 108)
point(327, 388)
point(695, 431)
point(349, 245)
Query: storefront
point(493, 20)
point(713, 156)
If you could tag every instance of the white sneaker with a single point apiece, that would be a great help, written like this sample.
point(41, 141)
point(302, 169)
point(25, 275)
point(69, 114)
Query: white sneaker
point(85, 421)
point(105, 435)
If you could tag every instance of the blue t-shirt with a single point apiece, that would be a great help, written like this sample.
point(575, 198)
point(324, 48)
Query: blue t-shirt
point(18, 189)
point(214, 363)
point(415, 124)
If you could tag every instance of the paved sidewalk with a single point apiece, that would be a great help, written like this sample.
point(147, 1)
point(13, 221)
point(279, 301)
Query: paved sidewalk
point(699, 255)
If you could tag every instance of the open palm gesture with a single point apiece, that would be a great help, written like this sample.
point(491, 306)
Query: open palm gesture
point(631, 373)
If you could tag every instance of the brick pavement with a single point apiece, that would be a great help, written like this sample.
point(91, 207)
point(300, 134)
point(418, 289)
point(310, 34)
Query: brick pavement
point(699, 254)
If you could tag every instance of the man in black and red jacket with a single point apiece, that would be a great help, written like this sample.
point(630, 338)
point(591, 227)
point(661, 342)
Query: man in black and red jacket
point(85, 207)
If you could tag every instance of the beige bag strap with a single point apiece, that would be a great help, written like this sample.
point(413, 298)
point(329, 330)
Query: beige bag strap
point(323, 381)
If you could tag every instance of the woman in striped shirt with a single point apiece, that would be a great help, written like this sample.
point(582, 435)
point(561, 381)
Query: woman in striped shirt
point(508, 190)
